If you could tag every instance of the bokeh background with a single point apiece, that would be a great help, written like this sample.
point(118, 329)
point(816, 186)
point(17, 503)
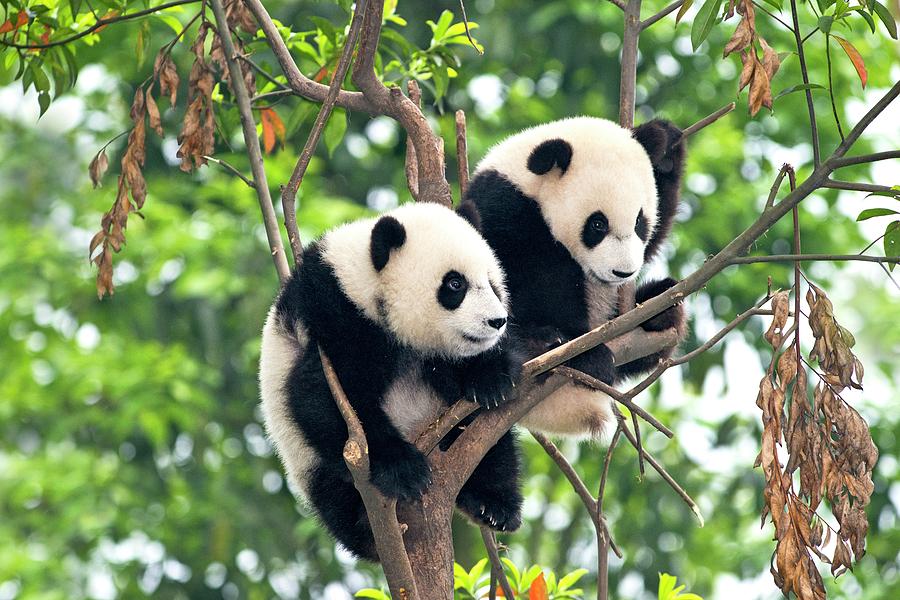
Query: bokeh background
point(133, 460)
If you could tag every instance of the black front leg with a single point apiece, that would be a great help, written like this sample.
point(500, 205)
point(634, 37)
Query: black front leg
point(491, 495)
point(490, 378)
point(598, 362)
point(672, 318)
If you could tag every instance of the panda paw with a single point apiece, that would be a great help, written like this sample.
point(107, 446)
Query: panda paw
point(399, 470)
point(672, 317)
point(490, 382)
point(499, 511)
point(598, 362)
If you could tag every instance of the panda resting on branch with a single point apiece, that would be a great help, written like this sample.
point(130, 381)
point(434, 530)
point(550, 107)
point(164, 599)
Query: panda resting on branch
point(573, 209)
point(411, 309)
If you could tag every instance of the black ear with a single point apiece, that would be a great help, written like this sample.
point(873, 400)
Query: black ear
point(549, 154)
point(468, 211)
point(387, 234)
point(663, 143)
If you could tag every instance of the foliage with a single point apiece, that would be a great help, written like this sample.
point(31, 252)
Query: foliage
point(132, 461)
point(669, 591)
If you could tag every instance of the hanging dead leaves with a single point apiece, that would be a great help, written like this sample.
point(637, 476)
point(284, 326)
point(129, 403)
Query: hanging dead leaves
point(830, 452)
point(196, 140)
point(756, 73)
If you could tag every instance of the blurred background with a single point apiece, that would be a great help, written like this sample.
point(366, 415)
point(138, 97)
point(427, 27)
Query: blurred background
point(133, 460)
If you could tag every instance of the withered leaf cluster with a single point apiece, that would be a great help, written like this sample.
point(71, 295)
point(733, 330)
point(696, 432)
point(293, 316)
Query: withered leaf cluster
point(198, 129)
point(756, 73)
point(830, 453)
point(130, 195)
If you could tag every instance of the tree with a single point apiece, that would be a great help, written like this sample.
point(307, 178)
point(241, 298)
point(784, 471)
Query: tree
point(427, 182)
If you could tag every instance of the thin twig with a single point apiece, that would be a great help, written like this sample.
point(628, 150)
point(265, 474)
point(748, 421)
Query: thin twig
point(708, 120)
point(859, 187)
point(754, 310)
point(834, 111)
point(777, 184)
point(592, 382)
point(745, 260)
point(864, 158)
point(763, 8)
point(604, 473)
point(490, 544)
point(242, 99)
point(462, 154)
point(462, 9)
point(233, 170)
point(289, 191)
point(577, 484)
point(663, 473)
point(805, 74)
point(619, 3)
point(100, 23)
point(265, 74)
point(661, 14)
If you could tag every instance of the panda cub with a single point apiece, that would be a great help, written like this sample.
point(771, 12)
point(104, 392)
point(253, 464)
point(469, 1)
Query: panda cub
point(573, 209)
point(411, 309)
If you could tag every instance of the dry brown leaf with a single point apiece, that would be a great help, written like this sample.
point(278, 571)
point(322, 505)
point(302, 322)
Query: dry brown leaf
point(165, 73)
point(98, 168)
point(760, 89)
point(770, 61)
point(741, 38)
point(153, 115)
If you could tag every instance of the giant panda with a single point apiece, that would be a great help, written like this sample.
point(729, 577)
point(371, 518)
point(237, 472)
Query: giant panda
point(574, 208)
point(411, 309)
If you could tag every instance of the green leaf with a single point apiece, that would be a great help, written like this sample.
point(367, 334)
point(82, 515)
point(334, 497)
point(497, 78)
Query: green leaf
point(477, 570)
point(875, 212)
point(683, 10)
point(335, 130)
point(798, 87)
point(372, 593)
point(886, 17)
point(704, 21)
point(892, 242)
point(44, 101)
point(513, 570)
point(775, 4)
point(529, 576)
point(825, 23)
point(570, 579)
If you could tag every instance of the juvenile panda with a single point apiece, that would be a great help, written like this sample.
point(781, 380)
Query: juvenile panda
point(411, 310)
point(573, 209)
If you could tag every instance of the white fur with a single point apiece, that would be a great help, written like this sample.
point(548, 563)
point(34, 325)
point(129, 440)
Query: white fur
point(281, 348)
point(610, 171)
point(437, 241)
point(411, 405)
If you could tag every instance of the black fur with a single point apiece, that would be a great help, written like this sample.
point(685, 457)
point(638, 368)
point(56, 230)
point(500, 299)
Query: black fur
point(673, 316)
point(387, 234)
point(469, 212)
point(367, 358)
point(549, 154)
point(546, 285)
point(665, 145)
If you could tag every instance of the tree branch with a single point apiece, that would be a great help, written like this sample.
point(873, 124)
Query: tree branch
point(864, 158)
point(99, 24)
point(462, 154)
point(745, 260)
point(628, 72)
point(261, 184)
point(858, 187)
point(490, 544)
point(708, 120)
point(289, 191)
point(805, 73)
point(661, 14)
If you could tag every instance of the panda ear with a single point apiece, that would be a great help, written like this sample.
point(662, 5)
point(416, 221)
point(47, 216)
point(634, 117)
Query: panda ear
point(387, 234)
point(549, 154)
point(663, 143)
point(469, 212)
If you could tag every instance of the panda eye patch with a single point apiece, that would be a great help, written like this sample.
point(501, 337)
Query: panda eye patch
point(641, 227)
point(453, 290)
point(595, 229)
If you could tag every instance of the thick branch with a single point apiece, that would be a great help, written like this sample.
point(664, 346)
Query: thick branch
point(433, 186)
point(462, 154)
point(298, 82)
point(289, 192)
point(99, 24)
point(261, 184)
point(381, 511)
point(628, 72)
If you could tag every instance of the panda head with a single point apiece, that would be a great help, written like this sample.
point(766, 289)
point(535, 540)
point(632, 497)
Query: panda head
point(437, 284)
point(595, 184)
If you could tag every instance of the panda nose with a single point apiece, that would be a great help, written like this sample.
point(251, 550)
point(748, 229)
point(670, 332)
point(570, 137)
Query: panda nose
point(497, 323)
point(622, 274)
